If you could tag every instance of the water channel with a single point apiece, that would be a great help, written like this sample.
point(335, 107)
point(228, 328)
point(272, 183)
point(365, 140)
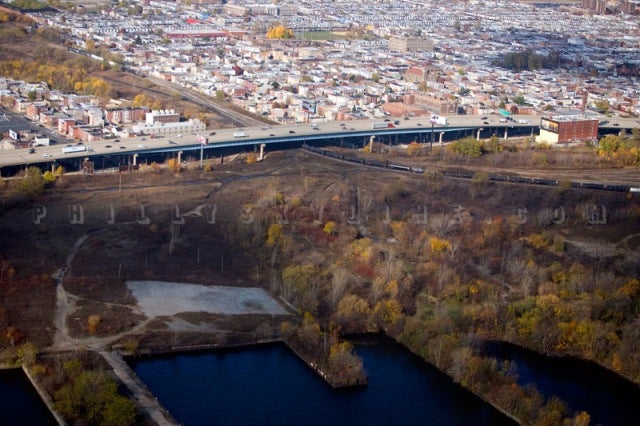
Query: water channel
point(584, 386)
point(270, 385)
point(21, 404)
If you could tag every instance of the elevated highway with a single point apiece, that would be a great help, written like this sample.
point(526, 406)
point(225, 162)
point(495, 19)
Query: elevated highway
point(348, 133)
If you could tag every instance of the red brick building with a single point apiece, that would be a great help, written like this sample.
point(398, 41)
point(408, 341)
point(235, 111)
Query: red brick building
point(565, 129)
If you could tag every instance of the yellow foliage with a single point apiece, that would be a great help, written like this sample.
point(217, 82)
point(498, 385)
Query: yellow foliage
point(251, 158)
point(279, 32)
point(631, 288)
point(329, 227)
point(582, 419)
point(537, 240)
point(361, 248)
point(92, 323)
point(616, 362)
point(388, 311)
point(439, 245)
point(174, 165)
point(275, 235)
point(392, 288)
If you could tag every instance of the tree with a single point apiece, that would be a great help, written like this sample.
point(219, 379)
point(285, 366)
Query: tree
point(469, 147)
point(92, 397)
point(338, 285)
point(279, 32)
point(27, 354)
point(329, 227)
point(32, 183)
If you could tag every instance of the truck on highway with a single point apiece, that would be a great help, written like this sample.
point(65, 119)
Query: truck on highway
point(438, 120)
point(78, 148)
point(240, 134)
point(383, 125)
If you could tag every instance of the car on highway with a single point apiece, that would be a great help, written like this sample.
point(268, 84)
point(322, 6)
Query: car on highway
point(291, 131)
point(107, 146)
point(32, 150)
point(123, 147)
point(173, 143)
point(271, 134)
point(485, 122)
point(212, 133)
point(483, 118)
point(46, 154)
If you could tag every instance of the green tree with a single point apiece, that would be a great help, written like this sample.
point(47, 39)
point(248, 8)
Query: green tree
point(469, 147)
point(31, 184)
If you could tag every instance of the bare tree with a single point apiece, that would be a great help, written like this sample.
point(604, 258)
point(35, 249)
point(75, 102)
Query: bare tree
point(338, 286)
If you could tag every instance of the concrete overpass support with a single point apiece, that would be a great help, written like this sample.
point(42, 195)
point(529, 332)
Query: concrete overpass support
point(261, 156)
point(506, 133)
point(135, 159)
point(441, 135)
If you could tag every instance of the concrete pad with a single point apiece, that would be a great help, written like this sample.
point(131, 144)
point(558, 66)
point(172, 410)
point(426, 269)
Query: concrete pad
point(158, 298)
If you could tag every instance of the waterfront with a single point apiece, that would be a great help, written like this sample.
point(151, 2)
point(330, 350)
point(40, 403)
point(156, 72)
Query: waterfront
point(21, 404)
point(584, 386)
point(268, 384)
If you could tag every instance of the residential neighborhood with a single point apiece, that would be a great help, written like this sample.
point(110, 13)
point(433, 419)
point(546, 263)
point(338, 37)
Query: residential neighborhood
point(399, 59)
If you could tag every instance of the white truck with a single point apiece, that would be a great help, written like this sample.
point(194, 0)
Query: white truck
point(438, 120)
point(78, 148)
point(240, 134)
point(41, 141)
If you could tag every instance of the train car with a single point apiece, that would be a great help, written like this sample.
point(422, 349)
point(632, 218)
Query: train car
point(354, 159)
point(617, 188)
point(334, 154)
point(520, 179)
point(464, 174)
point(400, 167)
point(498, 178)
point(376, 163)
point(541, 181)
point(417, 170)
point(591, 185)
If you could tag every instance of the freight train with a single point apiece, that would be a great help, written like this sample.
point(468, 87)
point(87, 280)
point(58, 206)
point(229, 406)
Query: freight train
point(468, 174)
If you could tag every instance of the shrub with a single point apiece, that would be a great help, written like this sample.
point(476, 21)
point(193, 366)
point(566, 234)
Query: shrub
point(469, 147)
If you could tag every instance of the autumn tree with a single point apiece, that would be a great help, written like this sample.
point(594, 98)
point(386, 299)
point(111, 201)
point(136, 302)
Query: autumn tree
point(93, 397)
point(31, 184)
point(300, 286)
point(279, 32)
point(343, 364)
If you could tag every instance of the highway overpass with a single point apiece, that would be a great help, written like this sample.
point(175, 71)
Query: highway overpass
point(349, 133)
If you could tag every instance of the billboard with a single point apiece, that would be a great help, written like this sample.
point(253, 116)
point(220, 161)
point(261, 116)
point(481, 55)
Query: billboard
point(309, 106)
point(201, 139)
point(14, 135)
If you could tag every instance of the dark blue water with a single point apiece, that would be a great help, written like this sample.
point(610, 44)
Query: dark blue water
point(268, 385)
point(584, 386)
point(21, 404)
